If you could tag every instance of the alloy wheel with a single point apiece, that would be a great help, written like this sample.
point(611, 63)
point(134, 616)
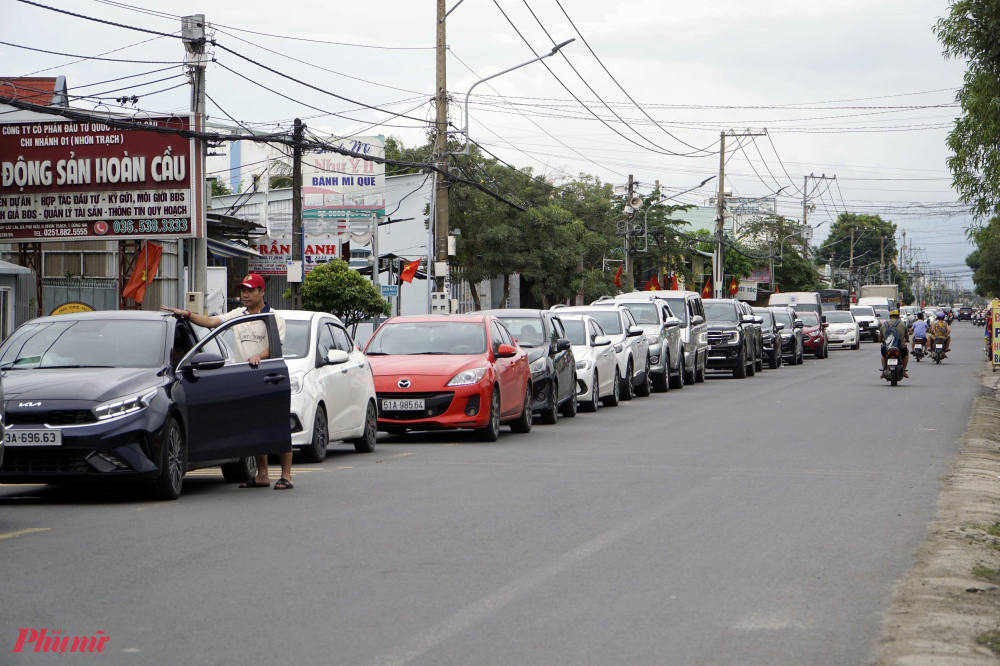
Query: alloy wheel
point(174, 459)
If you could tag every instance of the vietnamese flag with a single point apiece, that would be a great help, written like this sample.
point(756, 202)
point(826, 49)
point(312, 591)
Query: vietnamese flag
point(409, 270)
point(618, 275)
point(652, 283)
point(148, 260)
point(673, 283)
point(734, 288)
point(707, 291)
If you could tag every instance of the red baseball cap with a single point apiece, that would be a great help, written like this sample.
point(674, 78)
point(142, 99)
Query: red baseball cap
point(252, 281)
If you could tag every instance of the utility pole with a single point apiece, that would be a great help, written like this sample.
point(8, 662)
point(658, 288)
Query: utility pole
point(297, 212)
point(440, 250)
point(720, 211)
point(630, 189)
point(193, 36)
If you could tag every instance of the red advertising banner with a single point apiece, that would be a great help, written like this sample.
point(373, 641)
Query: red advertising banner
point(62, 179)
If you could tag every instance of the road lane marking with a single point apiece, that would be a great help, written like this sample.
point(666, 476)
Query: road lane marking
point(479, 610)
point(11, 535)
point(401, 455)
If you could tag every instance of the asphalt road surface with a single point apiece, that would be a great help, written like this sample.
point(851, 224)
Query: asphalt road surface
point(755, 521)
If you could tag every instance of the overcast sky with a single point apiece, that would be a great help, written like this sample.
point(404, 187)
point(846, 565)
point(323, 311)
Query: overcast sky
point(834, 65)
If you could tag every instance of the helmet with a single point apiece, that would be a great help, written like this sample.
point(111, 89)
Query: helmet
point(940, 315)
point(893, 313)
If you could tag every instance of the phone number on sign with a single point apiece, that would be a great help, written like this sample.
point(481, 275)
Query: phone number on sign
point(149, 226)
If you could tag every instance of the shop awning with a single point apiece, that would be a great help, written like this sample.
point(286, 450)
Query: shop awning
point(226, 250)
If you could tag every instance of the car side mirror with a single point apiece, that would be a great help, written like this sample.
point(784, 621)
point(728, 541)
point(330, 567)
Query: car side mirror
point(697, 320)
point(634, 331)
point(799, 323)
point(758, 320)
point(671, 322)
point(506, 351)
point(563, 344)
point(824, 319)
point(826, 325)
point(602, 341)
point(336, 357)
point(206, 361)
point(747, 319)
point(780, 327)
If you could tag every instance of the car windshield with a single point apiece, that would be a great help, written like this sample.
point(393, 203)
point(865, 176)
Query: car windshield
point(805, 307)
point(766, 316)
point(428, 337)
point(644, 313)
point(863, 312)
point(724, 312)
point(809, 318)
point(882, 314)
point(576, 331)
point(296, 342)
point(783, 318)
point(679, 308)
point(88, 343)
point(609, 320)
point(839, 317)
point(527, 331)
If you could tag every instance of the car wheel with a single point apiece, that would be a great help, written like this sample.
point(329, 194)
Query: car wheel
point(699, 373)
point(595, 392)
point(645, 388)
point(551, 415)
point(615, 397)
point(523, 422)
point(173, 463)
point(857, 344)
point(316, 451)
point(752, 370)
point(569, 408)
point(492, 430)
point(740, 371)
point(626, 392)
point(759, 363)
point(678, 381)
point(240, 471)
point(366, 443)
point(661, 383)
point(775, 360)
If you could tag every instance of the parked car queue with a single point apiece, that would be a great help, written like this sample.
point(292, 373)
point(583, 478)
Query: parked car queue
point(145, 397)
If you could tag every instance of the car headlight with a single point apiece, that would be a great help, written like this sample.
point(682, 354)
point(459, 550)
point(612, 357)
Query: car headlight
point(583, 365)
point(297, 380)
point(785, 336)
point(734, 337)
point(619, 347)
point(537, 366)
point(467, 377)
point(127, 405)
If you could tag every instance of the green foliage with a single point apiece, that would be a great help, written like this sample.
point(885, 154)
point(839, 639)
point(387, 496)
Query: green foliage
point(870, 231)
point(219, 188)
point(971, 32)
point(985, 260)
point(793, 271)
point(335, 288)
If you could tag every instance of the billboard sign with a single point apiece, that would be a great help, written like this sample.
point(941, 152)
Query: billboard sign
point(66, 180)
point(337, 188)
point(276, 253)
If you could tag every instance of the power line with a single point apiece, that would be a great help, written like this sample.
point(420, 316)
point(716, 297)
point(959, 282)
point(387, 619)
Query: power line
point(97, 20)
point(82, 58)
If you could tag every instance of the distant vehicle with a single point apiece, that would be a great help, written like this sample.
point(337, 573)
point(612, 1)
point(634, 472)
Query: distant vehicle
point(888, 291)
point(596, 362)
point(687, 306)
point(731, 334)
point(965, 313)
point(909, 314)
point(875, 302)
point(835, 299)
point(790, 326)
point(814, 336)
point(662, 330)
point(758, 335)
point(442, 372)
point(843, 330)
point(629, 342)
point(867, 321)
point(550, 359)
point(333, 390)
point(800, 301)
point(771, 335)
point(123, 396)
point(882, 316)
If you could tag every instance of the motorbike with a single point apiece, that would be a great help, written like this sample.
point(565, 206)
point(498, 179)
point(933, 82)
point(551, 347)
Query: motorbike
point(949, 317)
point(919, 348)
point(893, 365)
point(938, 352)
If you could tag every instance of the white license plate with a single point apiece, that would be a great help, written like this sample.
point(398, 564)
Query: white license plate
point(32, 438)
point(918, 347)
point(401, 405)
point(939, 346)
point(893, 362)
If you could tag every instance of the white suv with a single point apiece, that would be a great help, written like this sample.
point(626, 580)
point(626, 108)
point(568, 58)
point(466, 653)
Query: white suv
point(629, 342)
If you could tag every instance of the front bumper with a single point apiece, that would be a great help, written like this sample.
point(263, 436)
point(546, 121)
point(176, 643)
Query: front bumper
point(813, 344)
point(847, 339)
point(541, 388)
point(788, 346)
point(303, 417)
point(657, 360)
point(447, 408)
point(722, 357)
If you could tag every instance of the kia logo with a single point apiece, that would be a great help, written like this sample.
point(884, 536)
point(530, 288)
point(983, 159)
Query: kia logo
point(29, 404)
point(403, 383)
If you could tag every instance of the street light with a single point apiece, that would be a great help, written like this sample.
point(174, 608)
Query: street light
point(465, 131)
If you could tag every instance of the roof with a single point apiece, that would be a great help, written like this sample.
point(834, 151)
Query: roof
point(513, 312)
point(42, 90)
point(473, 319)
point(305, 315)
point(228, 250)
point(142, 315)
point(7, 268)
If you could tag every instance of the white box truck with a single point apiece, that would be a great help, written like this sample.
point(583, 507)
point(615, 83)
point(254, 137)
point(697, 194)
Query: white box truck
point(887, 291)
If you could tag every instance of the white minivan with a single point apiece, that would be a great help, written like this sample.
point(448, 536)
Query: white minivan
point(800, 301)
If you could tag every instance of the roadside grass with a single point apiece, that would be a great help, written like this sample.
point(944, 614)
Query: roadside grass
point(990, 639)
point(992, 530)
point(983, 571)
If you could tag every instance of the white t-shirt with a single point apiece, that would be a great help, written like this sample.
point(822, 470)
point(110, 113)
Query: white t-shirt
point(251, 337)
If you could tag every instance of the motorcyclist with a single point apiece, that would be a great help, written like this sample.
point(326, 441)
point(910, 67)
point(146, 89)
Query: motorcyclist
point(919, 329)
point(896, 328)
point(940, 331)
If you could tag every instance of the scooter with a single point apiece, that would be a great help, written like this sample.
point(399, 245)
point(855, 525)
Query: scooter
point(893, 366)
point(938, 352)
point(918, 348)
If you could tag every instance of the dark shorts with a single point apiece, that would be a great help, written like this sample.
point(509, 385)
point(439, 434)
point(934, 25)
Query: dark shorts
point(903, 351)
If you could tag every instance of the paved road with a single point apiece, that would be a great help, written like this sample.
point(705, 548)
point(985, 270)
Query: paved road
point(757, 521)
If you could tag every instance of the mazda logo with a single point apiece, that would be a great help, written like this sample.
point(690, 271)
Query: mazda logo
point(403, 383)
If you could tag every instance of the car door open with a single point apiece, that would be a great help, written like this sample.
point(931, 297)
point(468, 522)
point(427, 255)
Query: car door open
point(231, 409)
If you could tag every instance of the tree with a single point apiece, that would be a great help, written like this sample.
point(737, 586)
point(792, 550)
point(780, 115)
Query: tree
point(333, 287)
point(969, 32)
point(985, 260)
point(872, 236)
point(220, 189)
point(793, 271)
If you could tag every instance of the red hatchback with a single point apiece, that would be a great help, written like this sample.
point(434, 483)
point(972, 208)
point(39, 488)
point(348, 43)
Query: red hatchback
point(439, 372)
point(814, 336)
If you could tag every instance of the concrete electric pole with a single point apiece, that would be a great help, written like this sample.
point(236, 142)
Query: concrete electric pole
point(297, 212)
point(440, 250)
point(193, 35)
point(720, 211)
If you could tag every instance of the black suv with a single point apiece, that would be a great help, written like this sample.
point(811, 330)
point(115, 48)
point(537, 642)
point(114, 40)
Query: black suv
point(771, 337)
point(732, 336)
point(964, 314)
point(550, 357)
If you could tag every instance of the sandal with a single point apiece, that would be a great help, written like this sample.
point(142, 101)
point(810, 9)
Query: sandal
point(253, 483)
point(283, 484)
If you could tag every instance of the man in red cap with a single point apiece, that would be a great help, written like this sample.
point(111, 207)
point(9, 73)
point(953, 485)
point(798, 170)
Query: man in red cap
point(251, 346)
